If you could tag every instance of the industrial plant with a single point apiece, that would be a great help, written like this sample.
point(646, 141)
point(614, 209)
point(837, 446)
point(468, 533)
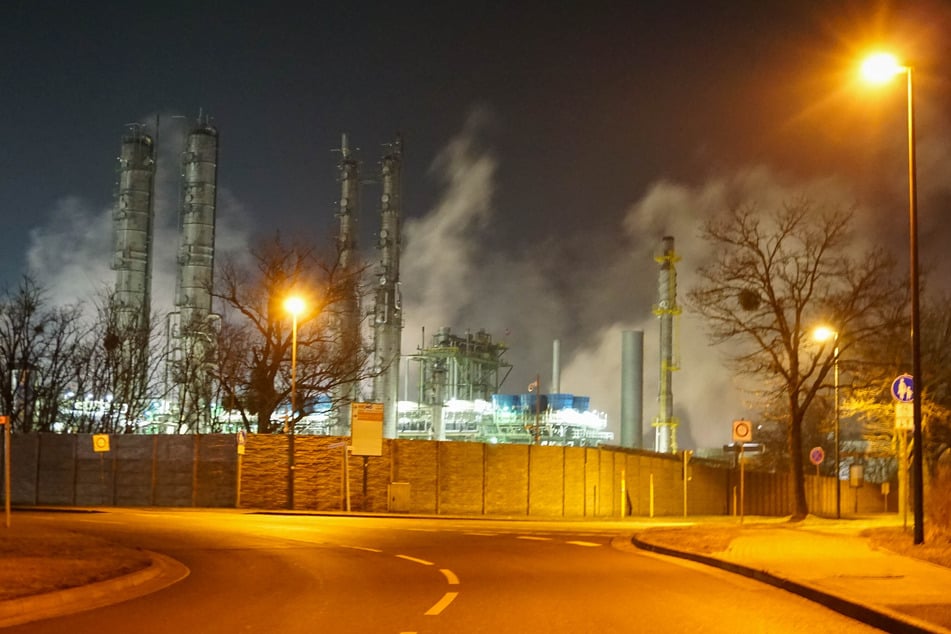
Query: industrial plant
point(459, 392)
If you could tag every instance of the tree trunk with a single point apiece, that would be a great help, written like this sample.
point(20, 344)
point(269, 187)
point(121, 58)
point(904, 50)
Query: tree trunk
point(801, 508)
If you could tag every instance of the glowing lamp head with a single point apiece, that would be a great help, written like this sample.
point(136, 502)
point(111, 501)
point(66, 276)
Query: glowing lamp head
point(881, 67)
point(294, 305)
point(824, 333)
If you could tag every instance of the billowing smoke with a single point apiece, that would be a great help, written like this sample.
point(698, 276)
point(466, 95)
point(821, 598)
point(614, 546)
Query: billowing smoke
point(586, 288)
point(453, 275)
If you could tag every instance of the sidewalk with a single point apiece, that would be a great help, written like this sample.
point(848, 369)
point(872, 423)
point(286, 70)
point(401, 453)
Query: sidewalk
point(832, 565)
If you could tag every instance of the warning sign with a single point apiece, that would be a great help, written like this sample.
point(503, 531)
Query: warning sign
point(100, 442)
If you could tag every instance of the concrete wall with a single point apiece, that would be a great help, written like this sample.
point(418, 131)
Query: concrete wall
point(59, 469)
point(442, 478)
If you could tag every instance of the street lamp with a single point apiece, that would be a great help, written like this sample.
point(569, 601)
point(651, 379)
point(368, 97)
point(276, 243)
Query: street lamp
point(295, 306)
point(823, 333)
point(880, 68)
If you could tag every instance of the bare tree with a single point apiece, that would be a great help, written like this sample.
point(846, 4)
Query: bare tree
point(775, 277)
point(116, 373)
point(254, 348)
point(38, 344)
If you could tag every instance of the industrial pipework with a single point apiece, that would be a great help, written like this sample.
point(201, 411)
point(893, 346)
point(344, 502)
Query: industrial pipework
point(388, 314)
point(665, 425)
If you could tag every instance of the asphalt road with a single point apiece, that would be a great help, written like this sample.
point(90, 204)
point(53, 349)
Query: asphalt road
point(272, 573)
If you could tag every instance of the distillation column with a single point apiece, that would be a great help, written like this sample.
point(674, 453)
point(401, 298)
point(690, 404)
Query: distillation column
point(133, 218)
point(388, 316)
point(349, 320)
point(665, 438)
point(196, 332)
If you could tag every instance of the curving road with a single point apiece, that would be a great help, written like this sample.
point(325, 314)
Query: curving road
point(274, 573)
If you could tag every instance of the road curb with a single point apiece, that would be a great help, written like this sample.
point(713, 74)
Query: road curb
point(161, 573)
point(879, 617)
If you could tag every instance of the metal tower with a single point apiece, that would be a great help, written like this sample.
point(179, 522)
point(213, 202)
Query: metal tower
point(195, 331)
point(348, 323)
point(665, 438)
point(133, 221)
point(388, 315)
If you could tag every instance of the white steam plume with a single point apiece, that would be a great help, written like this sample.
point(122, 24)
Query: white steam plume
point(584, 289)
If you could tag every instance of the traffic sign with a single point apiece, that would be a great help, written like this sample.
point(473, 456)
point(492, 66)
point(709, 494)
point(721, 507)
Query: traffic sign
point(905, 416)
point(816, 455)
point(4, 420)
point(742, 431)
point(903, 388)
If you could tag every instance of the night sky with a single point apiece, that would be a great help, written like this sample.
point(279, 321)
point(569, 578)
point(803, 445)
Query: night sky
point(547, 148)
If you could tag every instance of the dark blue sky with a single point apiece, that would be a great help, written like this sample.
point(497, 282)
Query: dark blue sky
point(585, 112)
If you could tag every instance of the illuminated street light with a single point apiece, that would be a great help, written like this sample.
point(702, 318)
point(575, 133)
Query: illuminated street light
point(824, 333)
point(880, 68)
point(295, 306)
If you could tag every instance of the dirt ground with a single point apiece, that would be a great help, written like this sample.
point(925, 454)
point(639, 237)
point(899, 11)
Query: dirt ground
point(36, 559)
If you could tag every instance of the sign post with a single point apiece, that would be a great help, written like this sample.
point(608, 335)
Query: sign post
point(5, 421)
point(742, 434)
point(903, 391)
point(366, 438)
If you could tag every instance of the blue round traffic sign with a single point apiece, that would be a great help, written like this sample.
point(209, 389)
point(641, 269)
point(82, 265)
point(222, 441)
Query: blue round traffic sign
point(816, 455)
point(903, 388)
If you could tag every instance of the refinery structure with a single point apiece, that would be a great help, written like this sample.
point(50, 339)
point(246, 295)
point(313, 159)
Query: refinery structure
point(459, 391)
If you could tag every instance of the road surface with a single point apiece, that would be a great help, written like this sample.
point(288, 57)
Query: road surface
point(290, 574)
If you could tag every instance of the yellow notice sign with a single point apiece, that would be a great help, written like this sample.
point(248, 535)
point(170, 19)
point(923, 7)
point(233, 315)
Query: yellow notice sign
point(100, 442)
point(366, 429)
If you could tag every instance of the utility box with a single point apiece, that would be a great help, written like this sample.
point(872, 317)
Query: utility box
point(398, 501)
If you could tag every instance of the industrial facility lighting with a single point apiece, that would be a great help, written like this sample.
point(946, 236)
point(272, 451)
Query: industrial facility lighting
point(824, 333)
point(879, 68)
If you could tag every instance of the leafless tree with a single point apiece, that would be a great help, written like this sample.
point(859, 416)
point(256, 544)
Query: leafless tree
point(775, 277)
point(116, 374)
point(254, 347)
point(38, 345)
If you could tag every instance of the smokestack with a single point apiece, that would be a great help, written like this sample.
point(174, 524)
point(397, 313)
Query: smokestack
point(388, 314)
point(665, 440)
point(556, 367)
point(632, 388)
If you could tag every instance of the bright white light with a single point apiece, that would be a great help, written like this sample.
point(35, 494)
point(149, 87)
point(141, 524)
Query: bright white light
point(824, 333)
point(294, 305)
point(881, 67)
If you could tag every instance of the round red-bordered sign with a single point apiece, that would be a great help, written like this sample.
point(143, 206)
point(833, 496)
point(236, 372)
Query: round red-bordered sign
point(816, 455)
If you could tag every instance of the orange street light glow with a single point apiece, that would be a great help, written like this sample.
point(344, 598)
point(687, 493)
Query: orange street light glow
point(881, 67)
point(823, 333)
point(294, 305)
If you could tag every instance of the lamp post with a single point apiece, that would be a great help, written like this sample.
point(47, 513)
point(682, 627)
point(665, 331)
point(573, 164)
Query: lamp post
point(824, 334)
point(880, 68)
point(294, 305)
